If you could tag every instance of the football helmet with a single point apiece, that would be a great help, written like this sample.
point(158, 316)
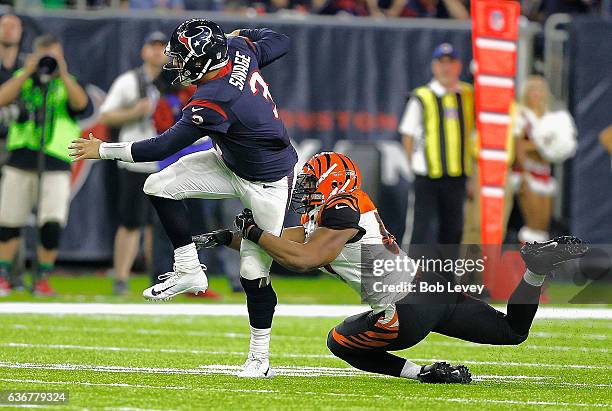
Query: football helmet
point(196, 47)
point(324, 175)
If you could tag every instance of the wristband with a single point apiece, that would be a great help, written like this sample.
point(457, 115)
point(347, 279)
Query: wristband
point(254, 234)
point(116, 151)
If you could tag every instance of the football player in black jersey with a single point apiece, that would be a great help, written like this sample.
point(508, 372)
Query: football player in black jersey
point(338, 221)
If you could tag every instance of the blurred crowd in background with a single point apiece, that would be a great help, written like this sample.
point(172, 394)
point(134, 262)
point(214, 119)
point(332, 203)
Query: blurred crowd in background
point(141, 103)
point(535, 10)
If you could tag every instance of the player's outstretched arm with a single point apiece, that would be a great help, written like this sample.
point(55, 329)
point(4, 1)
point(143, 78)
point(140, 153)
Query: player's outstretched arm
point(322, 247)
point(232, 239)
point(179, 136)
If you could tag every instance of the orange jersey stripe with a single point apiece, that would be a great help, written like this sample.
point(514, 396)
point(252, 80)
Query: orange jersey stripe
point(340, 339)
point(375, 343)
point(390, 336)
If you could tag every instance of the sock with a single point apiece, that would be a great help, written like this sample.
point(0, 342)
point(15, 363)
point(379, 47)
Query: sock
point(410, 370)
point(534, 279)
point(44, 269)
point(174, 217)
point(186, 258)
point(5, 268)
point(261, 301)
point(529, 235)
point(523, 303)
point(260, 342)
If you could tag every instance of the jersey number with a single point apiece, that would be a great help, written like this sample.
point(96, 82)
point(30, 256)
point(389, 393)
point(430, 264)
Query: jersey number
point(257, 79)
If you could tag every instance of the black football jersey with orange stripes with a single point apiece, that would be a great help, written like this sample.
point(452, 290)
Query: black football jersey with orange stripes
point(356, 210)
point(237, 110)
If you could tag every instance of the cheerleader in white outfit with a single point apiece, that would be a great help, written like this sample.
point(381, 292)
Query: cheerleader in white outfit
point(544, 137)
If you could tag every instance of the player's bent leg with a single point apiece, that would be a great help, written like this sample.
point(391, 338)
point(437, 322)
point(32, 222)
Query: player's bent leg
point(198, 175)
point(268, 202)
point(188, 275)
point(364, 340)
point(358, 342)
point(474, 320)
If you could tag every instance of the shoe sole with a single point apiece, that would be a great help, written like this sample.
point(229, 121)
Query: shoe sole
point(194, 290)
point(270, 374)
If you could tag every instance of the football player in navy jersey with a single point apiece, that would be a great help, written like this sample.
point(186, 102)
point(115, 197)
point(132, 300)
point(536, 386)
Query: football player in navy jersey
point(253, 160)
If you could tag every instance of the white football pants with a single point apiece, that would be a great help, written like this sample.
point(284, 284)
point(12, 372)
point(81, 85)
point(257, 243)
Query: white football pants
point(205, 175)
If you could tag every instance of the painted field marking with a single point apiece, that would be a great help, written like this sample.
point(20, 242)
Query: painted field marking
point(284, 355)
point(293, 371)
point(332, 394)
point(282, 310)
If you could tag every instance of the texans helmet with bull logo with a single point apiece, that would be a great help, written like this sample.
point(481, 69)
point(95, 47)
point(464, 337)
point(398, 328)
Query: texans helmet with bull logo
point(196, 47)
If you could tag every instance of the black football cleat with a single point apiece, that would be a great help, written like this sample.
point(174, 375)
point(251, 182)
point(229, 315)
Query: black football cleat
point(444, 373)
point(543, 258)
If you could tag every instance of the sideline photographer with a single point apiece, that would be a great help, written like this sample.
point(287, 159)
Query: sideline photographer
point(52, 101)
point(11, 59)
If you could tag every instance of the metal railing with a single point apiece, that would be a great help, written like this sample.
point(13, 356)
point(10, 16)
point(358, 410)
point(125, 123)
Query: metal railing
point(556, 60)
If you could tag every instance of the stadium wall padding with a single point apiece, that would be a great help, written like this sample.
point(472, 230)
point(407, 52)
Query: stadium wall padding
point(591, 104)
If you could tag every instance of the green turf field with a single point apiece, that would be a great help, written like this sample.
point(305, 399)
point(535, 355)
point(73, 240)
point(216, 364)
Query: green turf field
point(145, 362)
point(321, 289)
point(90, 288)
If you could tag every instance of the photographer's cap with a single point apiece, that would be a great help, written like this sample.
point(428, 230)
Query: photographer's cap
point(156, 37)
point(444, 50)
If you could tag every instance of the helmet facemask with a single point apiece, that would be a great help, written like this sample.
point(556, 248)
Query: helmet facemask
point(184, 76)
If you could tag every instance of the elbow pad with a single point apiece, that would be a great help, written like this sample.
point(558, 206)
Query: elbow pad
point(116, 151)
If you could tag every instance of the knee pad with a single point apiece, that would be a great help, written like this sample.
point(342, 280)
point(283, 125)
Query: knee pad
point(261, 301)
point(8, 233)
point(152, 185)
point(251, 268)
point(50, 235)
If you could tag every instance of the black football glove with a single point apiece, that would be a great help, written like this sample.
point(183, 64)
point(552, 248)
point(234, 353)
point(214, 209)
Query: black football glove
point(213, 239)
point(245, 224)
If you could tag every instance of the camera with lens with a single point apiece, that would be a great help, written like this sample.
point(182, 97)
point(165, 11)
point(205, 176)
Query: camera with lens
point(47, 67)
point(15, 112)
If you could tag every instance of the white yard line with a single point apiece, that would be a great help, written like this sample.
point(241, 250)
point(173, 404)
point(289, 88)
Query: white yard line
point(282, 310)
point(523, 346)
point(182, 332)
point(536, 404)
point(582, 336)
point(281, 355)
point(290, 371)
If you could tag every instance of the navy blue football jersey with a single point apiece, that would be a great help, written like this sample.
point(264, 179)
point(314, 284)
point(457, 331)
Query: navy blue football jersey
point(237, 110)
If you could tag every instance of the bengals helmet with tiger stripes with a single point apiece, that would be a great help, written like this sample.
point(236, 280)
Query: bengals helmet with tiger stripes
point(323, 176)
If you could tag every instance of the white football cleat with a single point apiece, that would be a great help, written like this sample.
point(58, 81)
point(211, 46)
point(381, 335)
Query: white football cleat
point(256, 367)
point(175, 283)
